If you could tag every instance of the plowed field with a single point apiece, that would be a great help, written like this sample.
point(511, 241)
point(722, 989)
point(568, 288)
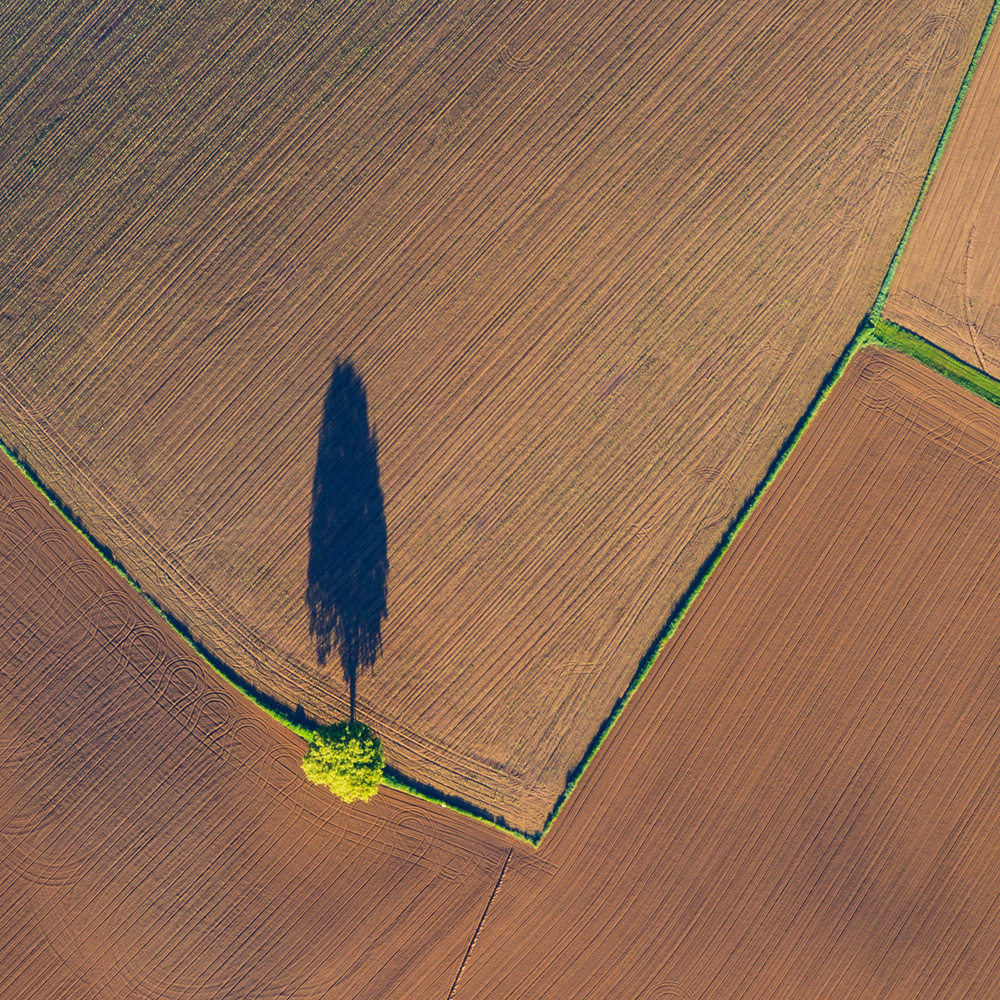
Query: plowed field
point(947, 286)
point(803, 798)
point(157, 837)
point(590, 260)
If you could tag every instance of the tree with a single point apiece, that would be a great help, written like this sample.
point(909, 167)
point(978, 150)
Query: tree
point(347, 758)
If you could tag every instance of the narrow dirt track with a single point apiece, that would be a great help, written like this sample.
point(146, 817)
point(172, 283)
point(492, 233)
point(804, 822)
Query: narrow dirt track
point(947, 287)
point(590, 261)
point(157, 838)
point(803, 799)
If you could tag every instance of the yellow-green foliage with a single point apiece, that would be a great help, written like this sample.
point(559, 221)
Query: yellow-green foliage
point(347, 758)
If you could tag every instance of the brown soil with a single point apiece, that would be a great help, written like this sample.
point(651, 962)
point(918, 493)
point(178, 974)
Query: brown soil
point(803, 798)
point(590, 260)
point(157, 837)
point(947, 287)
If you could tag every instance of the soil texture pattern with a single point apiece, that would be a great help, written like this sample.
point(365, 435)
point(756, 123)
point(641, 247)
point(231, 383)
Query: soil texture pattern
point(803, 797)
point(157, 836)
point(947, 285)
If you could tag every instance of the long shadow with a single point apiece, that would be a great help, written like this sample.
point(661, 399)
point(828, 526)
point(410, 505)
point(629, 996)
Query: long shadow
point(348, 560)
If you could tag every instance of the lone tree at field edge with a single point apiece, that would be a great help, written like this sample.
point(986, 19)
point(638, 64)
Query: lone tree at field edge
point(347, 758)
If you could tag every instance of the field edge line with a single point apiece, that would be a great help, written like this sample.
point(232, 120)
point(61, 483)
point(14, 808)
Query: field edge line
point(862, 338)
point(897, 338)
point(264, 702)
point(392, 778)
point(883, 292)
point(479, 926)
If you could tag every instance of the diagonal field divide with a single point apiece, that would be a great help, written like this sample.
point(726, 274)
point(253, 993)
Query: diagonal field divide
point(873, 330)
point(157, 837)
point(883, 292)
point(801, 799)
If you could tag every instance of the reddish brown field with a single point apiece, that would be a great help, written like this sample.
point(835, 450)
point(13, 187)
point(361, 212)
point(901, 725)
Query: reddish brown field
point(591, 261)
point(947, 286)
point(803, 799)
point(157, 837)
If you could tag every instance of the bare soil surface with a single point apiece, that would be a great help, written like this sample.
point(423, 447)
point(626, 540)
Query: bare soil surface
point(590, 262)
point(803, 798)
point(947, 286)
point(157, 836)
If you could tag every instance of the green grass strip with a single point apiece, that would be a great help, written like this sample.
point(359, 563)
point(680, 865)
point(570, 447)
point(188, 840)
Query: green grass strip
point(393, 779)
point(873, 330)
point(267, 704)
point(883, 292)
point(897, 339)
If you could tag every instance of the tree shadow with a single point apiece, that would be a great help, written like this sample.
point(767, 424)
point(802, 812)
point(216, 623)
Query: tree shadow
point(348, 559)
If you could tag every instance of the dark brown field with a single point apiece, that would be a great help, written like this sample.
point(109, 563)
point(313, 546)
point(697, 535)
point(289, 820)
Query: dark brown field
point(590, 260)
point(157, 836)
point(947, 287)
point(802, 800)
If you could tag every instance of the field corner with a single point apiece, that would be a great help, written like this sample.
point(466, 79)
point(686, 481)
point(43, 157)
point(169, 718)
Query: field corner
point(863, 337)
point(896, 338)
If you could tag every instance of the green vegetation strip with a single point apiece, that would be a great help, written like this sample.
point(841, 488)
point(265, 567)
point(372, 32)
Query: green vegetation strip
point(273, 708)
point(883, 292)
point(873, 330)
point(861, 338)
point(898, 339)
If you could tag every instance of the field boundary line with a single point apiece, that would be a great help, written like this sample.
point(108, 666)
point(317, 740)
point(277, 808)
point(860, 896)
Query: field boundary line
point(862, 338)
point(872, 331)
point(271, 706)
point(479, 926)
point(899, 339)
point(883, 292)
point(866, 334)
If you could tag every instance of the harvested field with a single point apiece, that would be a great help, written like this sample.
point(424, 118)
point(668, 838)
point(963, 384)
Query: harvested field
point(947, 286)
point(803, 798)
point(590, 262)
point(157, 837)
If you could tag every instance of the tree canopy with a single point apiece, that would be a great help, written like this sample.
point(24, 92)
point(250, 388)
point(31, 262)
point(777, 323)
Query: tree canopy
point(347, 758)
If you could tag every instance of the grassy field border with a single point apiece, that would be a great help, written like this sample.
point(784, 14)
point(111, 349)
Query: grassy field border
point(898, 338)
point(883, 292)
point(298, 723)
point(861, 338)
point(267, 704)
point(873, 330)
